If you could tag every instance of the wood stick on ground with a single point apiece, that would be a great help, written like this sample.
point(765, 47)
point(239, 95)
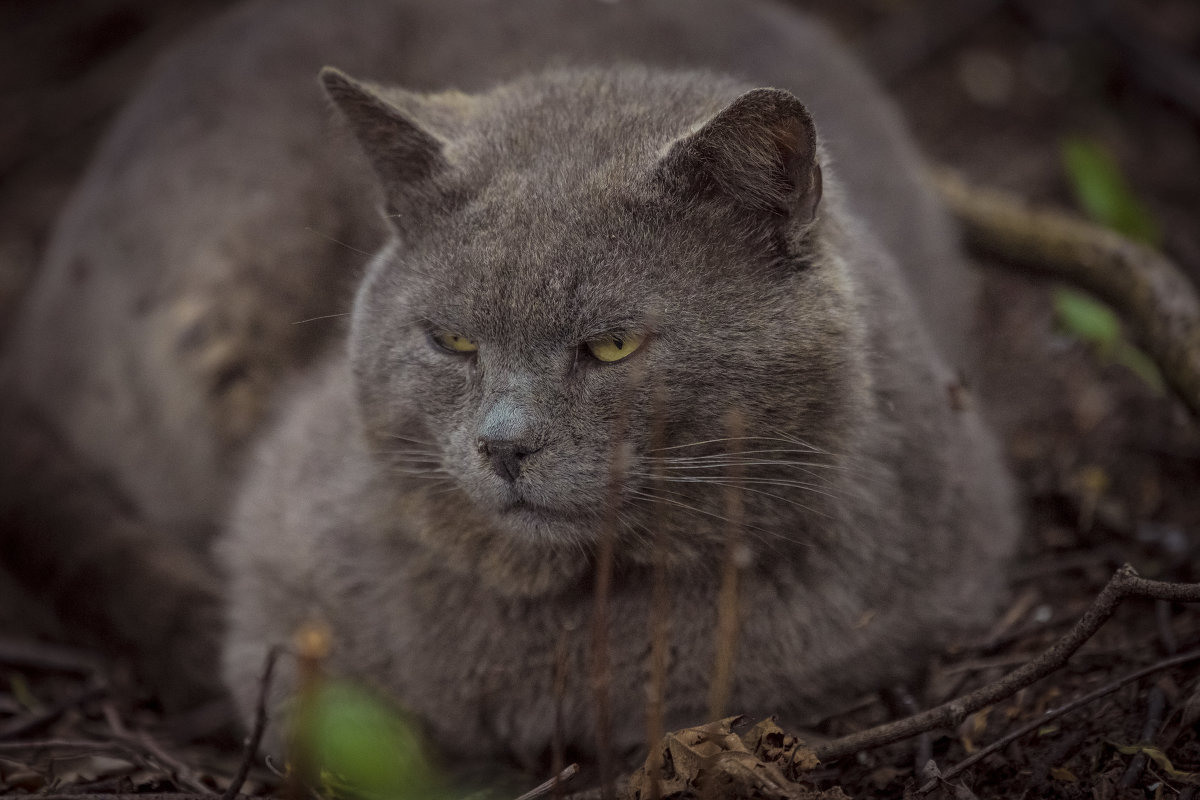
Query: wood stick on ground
point(254, 740)
point(25, 726)
point(144, 745)
point(22, 654)
point(1148, 290)
point(63, 744)
point(1156, 707)
point(1125, 583)
point(552, 785)
point(1055, 713)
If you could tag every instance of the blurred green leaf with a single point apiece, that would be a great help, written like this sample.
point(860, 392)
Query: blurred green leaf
point(365, 750)
point(1105, 195)
point(19, 687)
point(1091, 321)
point(1103, 192)
point(1088, 319)
point(1134, 359)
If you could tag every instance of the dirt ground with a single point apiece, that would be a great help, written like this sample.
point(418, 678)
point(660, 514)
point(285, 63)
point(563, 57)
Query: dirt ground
point(1110, 470)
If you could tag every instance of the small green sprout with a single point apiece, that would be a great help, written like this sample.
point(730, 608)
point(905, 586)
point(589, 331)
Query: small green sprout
point(1105, 195)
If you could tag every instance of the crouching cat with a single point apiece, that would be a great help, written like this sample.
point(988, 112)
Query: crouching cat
point(600, 241)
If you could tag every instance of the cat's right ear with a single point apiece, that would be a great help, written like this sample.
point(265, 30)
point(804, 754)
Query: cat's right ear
point(408, 158)
point(759, 153)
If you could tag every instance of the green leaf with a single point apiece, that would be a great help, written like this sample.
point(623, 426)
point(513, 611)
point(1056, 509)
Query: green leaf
point(1140, 364)
point(1090, 321)
point(1103, 192)
point(1105, 195)
point(365, 750)
point(1087, 318)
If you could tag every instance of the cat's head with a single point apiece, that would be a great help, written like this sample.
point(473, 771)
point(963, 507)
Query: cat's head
point(601, 265)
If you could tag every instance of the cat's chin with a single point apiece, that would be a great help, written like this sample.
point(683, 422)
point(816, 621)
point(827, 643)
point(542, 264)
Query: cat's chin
point(544, 526)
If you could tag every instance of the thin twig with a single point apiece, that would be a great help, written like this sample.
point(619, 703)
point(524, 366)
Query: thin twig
point(902, 700)
point(145, 746)
point(254, 740)
point(558, 747)
point(660, 607)
point(728, 599)
point(1156, 707)
point(1125, 583)
point(61, 744)
point(36, 722)
point(1055, 713)
point(601, 664)
point(49, 657)
point(552, 784)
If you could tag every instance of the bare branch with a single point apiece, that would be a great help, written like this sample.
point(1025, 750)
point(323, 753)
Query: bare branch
point(1125, 583)
point(254, 740)
point(1154, 297)
point(1055, 713)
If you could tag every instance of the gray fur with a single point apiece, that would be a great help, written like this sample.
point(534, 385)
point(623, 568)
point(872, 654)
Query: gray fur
point(800, 275)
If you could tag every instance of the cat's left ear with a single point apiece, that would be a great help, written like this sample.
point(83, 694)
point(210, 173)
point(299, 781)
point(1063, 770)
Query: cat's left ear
point(404, 135)
point(760, 152)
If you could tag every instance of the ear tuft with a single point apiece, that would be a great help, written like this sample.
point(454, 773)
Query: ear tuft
point(760, 152)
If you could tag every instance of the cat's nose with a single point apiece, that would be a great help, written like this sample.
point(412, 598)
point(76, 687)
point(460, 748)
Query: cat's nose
point(506, 456)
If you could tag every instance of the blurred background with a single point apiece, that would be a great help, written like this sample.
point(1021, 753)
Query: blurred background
point(990, 86)
point(1092, 105)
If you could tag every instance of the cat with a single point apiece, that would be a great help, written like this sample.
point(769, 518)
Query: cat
point(606, 253)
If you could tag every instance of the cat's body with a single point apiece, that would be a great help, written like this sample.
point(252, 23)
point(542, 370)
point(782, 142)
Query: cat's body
point(440, 510)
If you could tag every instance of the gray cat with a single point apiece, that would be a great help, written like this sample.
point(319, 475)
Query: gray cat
point(607, 218)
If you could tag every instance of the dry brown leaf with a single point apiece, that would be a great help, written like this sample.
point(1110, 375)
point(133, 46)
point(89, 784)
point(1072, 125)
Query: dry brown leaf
point(972, 728)
point(772, 744)
point(1063, 774)
point(1159, 758)
point(711, 760)
point(885, 776)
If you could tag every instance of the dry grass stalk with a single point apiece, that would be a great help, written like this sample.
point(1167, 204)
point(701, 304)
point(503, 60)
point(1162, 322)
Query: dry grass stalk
point(728, 598)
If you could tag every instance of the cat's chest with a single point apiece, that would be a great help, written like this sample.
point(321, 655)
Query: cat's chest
point(510, 670)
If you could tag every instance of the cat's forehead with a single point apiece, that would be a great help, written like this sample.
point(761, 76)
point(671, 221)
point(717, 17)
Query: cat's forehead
point(566, 229)
point(560, 264)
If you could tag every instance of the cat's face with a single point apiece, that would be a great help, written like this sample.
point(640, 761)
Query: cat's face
point(538, 348)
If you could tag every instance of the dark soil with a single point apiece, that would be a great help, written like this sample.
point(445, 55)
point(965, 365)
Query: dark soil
point(1110, 470)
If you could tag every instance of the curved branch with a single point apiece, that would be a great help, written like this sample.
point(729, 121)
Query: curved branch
point(1146, 288)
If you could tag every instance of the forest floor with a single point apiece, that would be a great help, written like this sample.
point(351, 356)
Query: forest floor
point(1110, 469)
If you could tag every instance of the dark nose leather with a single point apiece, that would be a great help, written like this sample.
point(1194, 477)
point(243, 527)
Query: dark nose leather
point(506, 457)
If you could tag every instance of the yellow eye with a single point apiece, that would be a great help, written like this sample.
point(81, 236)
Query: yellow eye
point(453, 342)
point(614, 347)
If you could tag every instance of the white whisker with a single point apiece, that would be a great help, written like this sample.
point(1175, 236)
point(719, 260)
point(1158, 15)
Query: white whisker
point(645, 495)
point(808, 448)
point(327, 237)
point(323, 316)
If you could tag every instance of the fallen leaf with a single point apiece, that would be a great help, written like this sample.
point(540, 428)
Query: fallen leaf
point(1159, 758)
point(712, 761)
point(1063, 774)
